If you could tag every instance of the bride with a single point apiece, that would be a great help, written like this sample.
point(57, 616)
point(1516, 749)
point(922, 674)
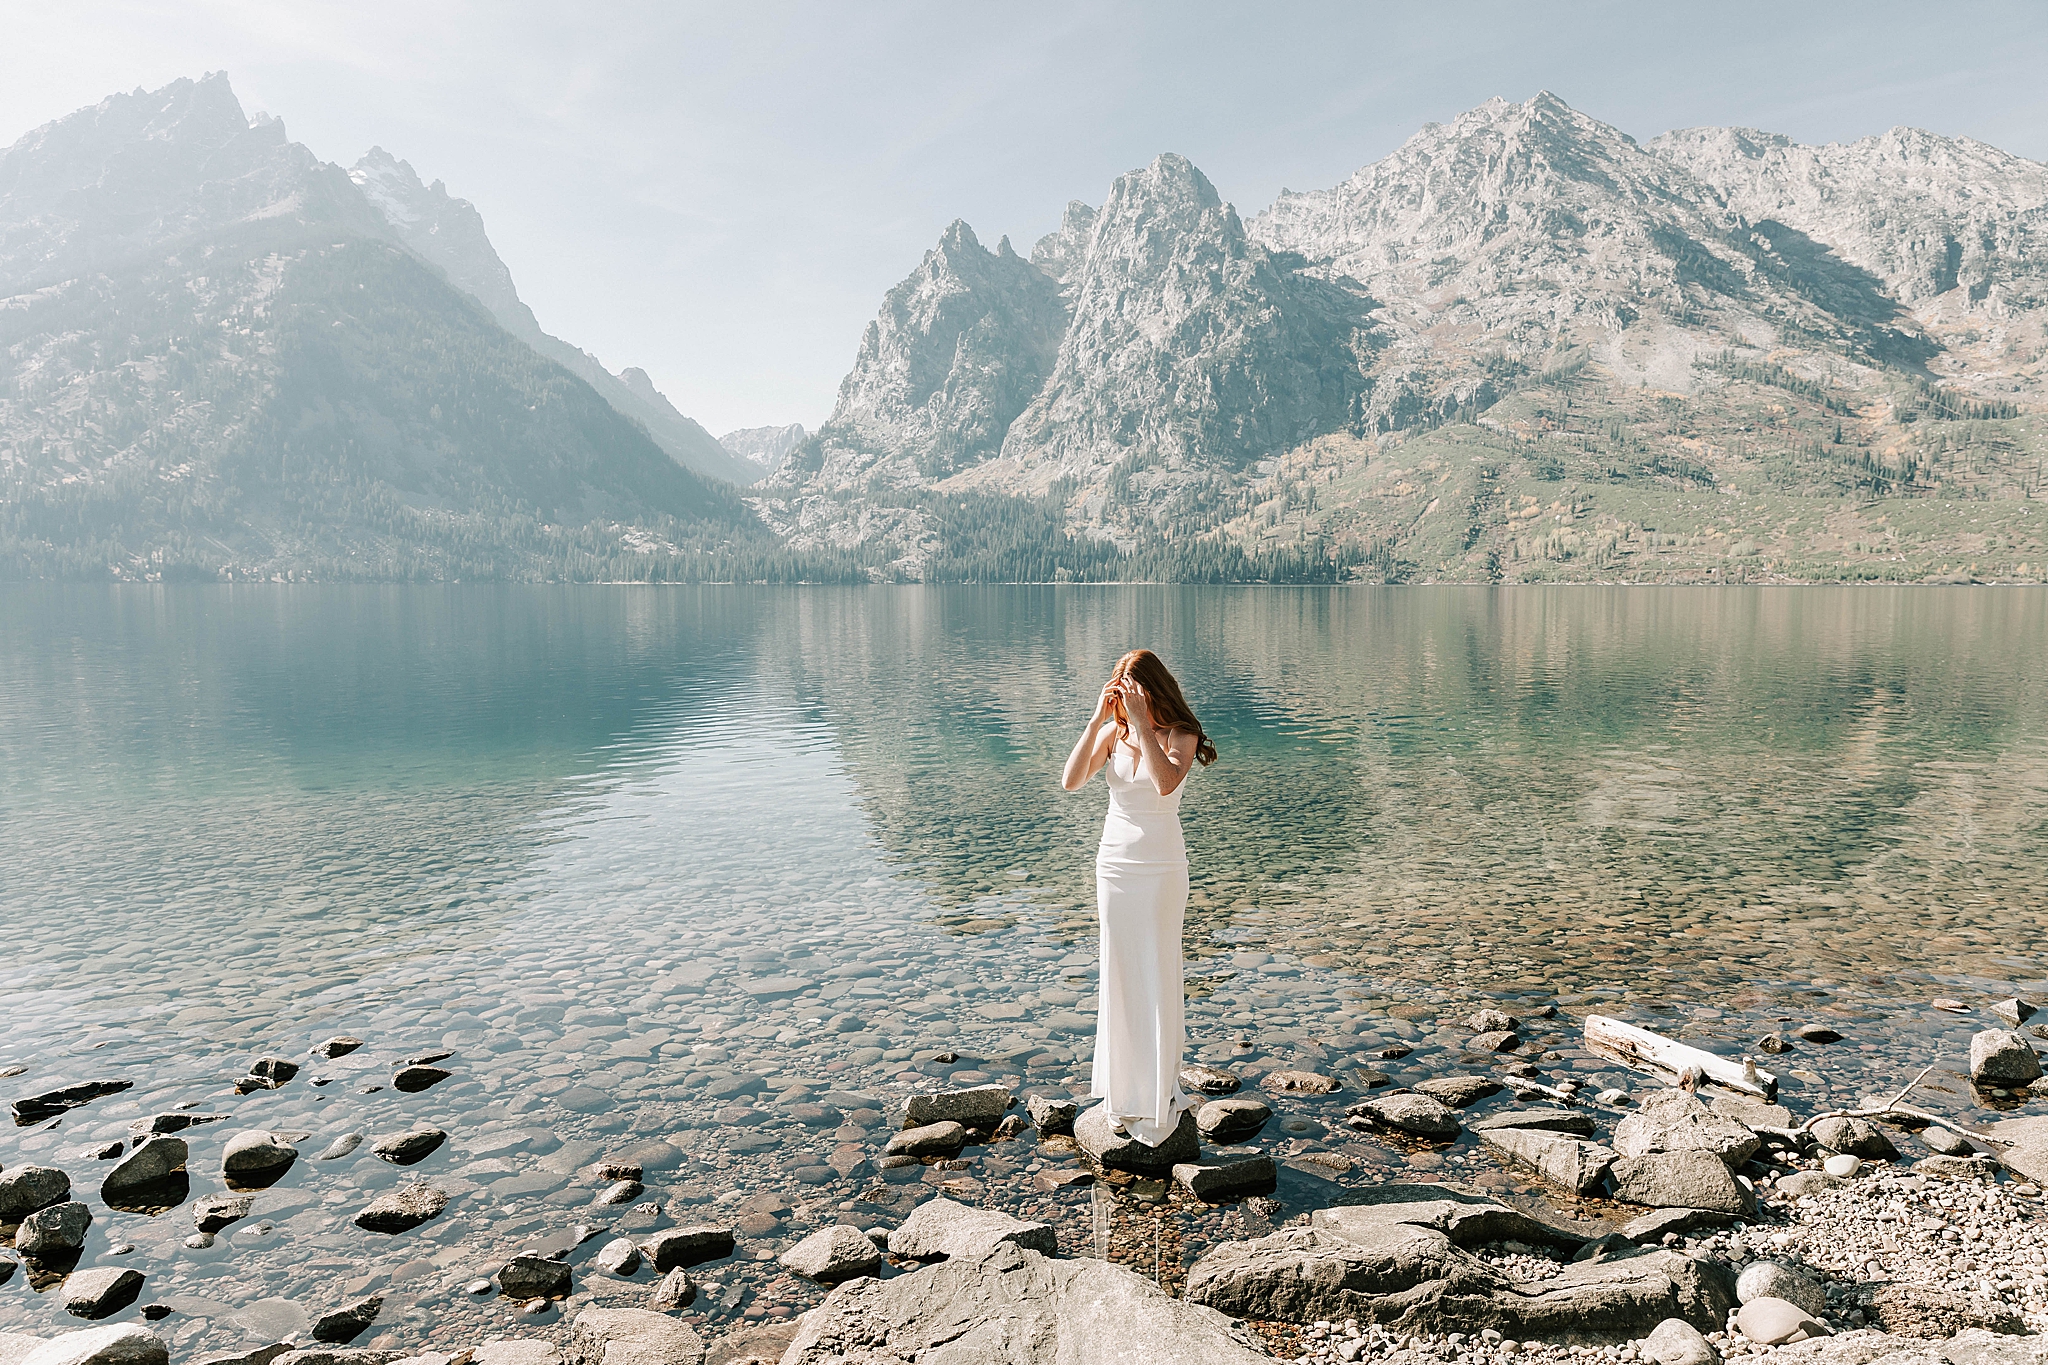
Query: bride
point(1147, 736)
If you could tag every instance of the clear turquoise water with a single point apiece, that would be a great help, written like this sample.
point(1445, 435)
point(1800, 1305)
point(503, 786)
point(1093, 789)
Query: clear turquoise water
point(235, 820)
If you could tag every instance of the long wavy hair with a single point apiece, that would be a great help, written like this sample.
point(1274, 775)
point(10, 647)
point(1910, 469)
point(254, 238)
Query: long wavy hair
point(1170, 710)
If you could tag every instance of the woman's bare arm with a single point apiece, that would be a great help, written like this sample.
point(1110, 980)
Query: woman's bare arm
point(1164, 756)
point(1091, 750)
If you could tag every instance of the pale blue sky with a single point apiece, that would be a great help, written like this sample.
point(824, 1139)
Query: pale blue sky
point(721, 194)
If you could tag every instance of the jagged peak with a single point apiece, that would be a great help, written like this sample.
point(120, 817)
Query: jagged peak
point(1003, 247)
point(958, 237)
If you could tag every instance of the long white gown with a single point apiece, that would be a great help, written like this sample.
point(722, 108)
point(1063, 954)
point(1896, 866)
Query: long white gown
point(1141, 893)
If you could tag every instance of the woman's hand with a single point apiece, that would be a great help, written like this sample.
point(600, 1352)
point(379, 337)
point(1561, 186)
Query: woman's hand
point(1137, 705)
point(1105, 705)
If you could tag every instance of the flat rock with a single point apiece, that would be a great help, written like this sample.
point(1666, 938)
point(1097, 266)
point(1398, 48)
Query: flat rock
point(216, 1211)
point(945, 1227)
point(832, 1254)
point(14, 1346)
point(1572, 1121)
point(1498, 1041)
point(1771, 1280)
point(100, 1292)
point(520, 1351)
point(1208, 1080)
point(631, 1336)
point(1299, 1083)
point(341, 1146)
point(759, 1344)
point(1458, 1091)
point(687, 1246)
point(1855, 1137)
point(25, 1189)
point(405, 1149)
point(1018, 1307)
point(1773, 1322)
point(1686, 1179)
point(1565, 1161)
point(1466, 1216)
point(1218, 1182)
point(1675, 1341)
point(2004, 1058)
point(1231, 1120)
point(1941, 1140)
point(932, 1139)
point(1816, 1033)
point(1101, 1142)
point(1652, 1226)
point(338, 1355)
point(52, 1103)
point(256, 1155)
point(1049, 1115)
point(339, 1046)
point(982, 1106)
point(1405, 1111)
point(125, 1343)
point(1751, 1114)
point(1673, 1121)
point(340, 1326)
point(53, 1233)
point(1805, 1182)
point(1911, 1310)
point(1960, 1167)
point(413, 1079)
point(152, 1163)
point(534, 1277)
point(273, 1071)
point(403, 1209)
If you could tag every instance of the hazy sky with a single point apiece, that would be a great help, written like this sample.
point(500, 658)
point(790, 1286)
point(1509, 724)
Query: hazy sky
point(721, 194)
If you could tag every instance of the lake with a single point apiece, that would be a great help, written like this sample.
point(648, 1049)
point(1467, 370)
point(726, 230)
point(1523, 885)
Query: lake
point(713, 874)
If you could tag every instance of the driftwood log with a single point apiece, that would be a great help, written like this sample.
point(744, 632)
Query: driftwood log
point(1677, 1062)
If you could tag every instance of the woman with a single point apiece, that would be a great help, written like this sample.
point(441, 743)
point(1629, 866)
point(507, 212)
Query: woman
point(1147, 736)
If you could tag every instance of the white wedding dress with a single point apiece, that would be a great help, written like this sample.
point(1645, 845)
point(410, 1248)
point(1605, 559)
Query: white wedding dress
point(1141, 892)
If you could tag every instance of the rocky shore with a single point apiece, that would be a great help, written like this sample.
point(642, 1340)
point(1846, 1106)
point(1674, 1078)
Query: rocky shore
point(1414, 1181)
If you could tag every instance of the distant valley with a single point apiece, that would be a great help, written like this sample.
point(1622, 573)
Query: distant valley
point(1522, 348)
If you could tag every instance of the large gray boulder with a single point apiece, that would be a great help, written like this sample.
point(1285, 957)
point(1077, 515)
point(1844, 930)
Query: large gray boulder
point(1100, 1141)
point(945, 1227)
point(1564, 1161)
point(53, 1233)
point(981, 1107)
point(1232, 1177)
point(25, 1189)
point(631, 1336)
point(100, 1292)
point(832, 1254)
point(2001, 1057)
point(1404, 1111)
point(402, 1209)
point(1232, 1120)
point(1771, 1280)
point(1673, 1121)
point(1464, 1215)
point(1573, 1121)
point(1017, 1307)
point(1675, 1341)
point(124, 1343)
point(257, 1157)
point(1680, 1180)
point(149, 1165)
point(1857, 1137)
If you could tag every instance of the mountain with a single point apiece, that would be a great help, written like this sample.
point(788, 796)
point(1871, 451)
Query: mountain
point(449, 232)
point(218, 359)
point(767, 447)
point(1524, 346)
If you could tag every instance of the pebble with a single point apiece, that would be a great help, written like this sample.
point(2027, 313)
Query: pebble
point(1842, 1165)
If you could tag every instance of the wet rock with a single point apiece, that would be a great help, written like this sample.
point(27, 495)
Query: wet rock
point(1220, 1181)
point(406, 1149)
point(1299, 1083)
point(979, 1107)
point(1208, 1080)
point(2000, 1057)
point(170, 1123)
point(1948, 1144)
point(1405, 1111)
point(1572, 1121)
point(25, 1189)
point(534, 1277)
point(1049, 1115)
point(1689, 1180)
point(1231, 1120)
point(832, 1254)
point(1911, 1310)
point(735, 1087)
point(339, 1046)
point(152, 1163)
point(100, 1292)
point(255, 1157)
point(1673, 1121)
point(933, 1139)
point(1564, 1161)
point(2012, 1013)
point(51, 1103)
point(216, 1211)
point(1499, 1041)
point(687, 1246)
point(1857, 1137)
point(1816, 1033)
point(53, 1233)
point(338, 1355)
point(1773, 1322)
point(944, 1227)
point(1771, 1280)
point(674, 1293)
point(273, 1071)
point(630, 1336)
point(1492, 1021)
point(1458, 1091)
point(342, 1325)
point(124, 1343)
point(620, 1192)
point(1018, 1307)
point(342, 1146)
point(1675, 1341)
point(1102, 1142)
point(402, 1209)
point(1773, 1043)
point(617, 1257)
point(413, 1079)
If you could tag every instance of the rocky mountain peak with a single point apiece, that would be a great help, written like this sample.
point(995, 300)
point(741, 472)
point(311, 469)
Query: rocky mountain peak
point(767, 447)
point(446, 231)
point(1060, 253)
